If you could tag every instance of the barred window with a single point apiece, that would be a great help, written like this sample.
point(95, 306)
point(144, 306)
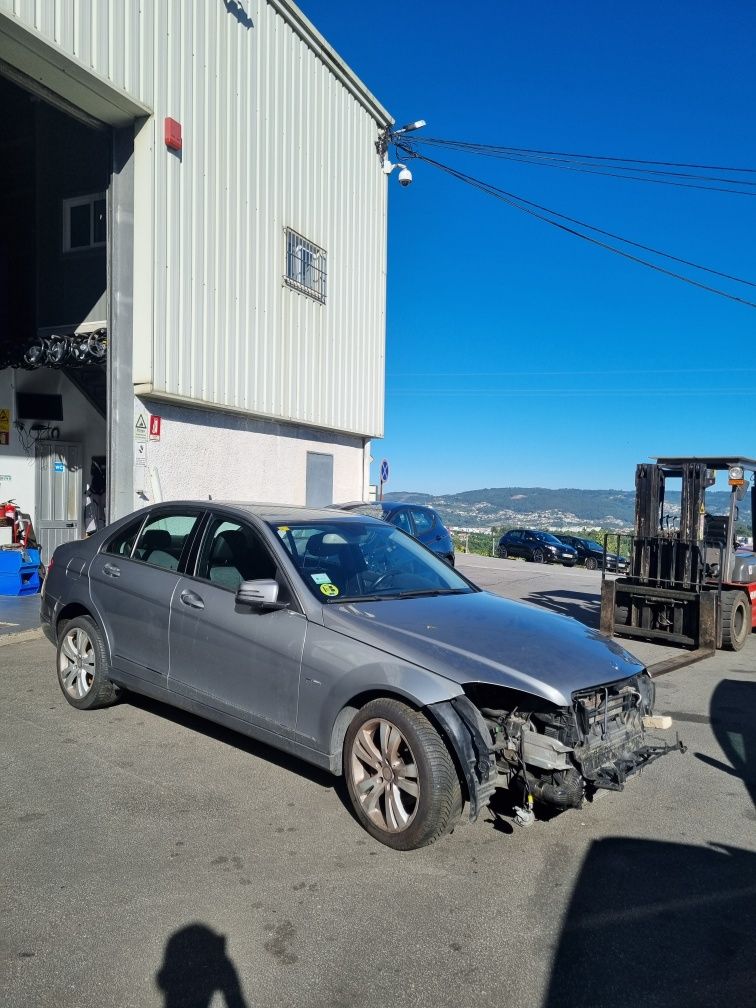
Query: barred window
point(306, 266)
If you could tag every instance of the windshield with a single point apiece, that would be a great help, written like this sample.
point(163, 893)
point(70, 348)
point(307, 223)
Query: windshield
point(545, 537)
point(350, 561)
point(592, 544)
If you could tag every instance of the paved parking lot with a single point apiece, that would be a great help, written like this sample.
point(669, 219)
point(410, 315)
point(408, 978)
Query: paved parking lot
point(150, 858)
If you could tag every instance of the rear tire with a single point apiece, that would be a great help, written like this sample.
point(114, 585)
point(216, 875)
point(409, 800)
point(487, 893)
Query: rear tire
point(736, 620)
point(83, 666)
point(502, 552)
point(401, 777)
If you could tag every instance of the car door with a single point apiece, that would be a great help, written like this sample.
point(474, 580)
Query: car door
point(513, 543)
point(131, 583)
point(239, 660)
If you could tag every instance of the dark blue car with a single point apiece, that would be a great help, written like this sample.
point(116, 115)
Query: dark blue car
point(418, 520)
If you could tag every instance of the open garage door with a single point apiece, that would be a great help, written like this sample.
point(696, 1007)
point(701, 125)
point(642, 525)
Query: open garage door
point(55, 177)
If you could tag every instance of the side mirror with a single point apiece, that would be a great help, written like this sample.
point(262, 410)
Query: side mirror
point(261, 594)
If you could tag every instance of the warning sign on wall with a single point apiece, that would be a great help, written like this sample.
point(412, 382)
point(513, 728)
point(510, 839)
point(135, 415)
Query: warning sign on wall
point(4, 426)
point(140, 428)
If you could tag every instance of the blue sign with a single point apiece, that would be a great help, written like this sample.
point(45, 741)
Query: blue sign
point(384, 471)
point(59, 466)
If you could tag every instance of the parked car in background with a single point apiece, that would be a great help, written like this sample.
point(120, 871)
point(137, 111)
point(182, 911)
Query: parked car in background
point(538, 547)
point(343, 641)
point(419, 521)
point(591, 555)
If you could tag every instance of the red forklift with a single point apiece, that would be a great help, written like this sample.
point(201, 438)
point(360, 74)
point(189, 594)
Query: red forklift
point(689, 581)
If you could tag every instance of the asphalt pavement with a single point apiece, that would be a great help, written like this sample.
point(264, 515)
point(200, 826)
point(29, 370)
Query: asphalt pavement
point(149, 858)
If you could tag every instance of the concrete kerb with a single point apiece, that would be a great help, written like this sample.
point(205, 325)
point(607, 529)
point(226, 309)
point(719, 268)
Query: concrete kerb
point(22, 637)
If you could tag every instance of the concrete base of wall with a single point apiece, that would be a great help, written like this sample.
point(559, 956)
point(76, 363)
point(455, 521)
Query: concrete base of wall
point(203, 453)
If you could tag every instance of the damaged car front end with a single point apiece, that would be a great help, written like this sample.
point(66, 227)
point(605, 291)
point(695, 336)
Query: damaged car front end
point(556, 755)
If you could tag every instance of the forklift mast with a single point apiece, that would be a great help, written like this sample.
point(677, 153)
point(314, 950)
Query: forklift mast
point(687, 583)
point(669, 557)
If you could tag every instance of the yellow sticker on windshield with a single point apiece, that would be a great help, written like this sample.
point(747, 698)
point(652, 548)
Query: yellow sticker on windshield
point(283, 529)
point(329, 589)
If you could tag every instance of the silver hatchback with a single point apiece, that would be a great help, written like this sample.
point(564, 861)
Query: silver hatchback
point(342, 640)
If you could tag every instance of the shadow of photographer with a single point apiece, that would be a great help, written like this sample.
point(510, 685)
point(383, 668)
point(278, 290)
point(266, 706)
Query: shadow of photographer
point(195, 968)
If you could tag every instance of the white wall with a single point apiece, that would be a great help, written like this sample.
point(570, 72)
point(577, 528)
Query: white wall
point(81, 424)
point(229, 457)
point(277, 132)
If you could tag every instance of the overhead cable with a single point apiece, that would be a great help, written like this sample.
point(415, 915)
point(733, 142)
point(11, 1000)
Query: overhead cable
point(547, 215)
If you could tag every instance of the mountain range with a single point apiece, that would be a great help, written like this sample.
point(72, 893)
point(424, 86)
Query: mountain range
point(539, 507)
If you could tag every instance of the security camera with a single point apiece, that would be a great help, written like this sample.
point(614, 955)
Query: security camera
point(405, 177)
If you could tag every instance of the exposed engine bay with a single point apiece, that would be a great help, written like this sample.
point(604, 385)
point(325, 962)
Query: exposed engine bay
point(560, 755)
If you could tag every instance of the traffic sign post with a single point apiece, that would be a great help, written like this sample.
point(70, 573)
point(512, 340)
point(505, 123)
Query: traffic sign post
point(384, 477)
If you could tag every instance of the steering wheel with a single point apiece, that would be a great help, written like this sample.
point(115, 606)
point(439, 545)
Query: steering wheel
point(383, 577)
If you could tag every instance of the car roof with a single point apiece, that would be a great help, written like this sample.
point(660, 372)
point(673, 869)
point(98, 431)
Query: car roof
point(384, 504)
point(276, 513)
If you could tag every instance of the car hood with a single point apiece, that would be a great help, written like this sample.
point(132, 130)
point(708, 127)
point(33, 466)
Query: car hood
point(483, 638)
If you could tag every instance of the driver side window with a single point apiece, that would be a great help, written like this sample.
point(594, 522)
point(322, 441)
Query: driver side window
point(232, 553)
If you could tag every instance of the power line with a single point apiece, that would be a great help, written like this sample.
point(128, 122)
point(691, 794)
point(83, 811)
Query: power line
point(476, 147)
point(526, 206)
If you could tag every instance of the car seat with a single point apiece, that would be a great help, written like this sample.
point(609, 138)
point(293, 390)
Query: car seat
point(155, 547)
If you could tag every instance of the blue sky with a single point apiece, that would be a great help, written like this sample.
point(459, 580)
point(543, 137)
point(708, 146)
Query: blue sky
point(518, 355)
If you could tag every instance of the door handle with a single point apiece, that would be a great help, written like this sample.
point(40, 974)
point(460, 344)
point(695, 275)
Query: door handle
point(192, 599)
point(111, 570)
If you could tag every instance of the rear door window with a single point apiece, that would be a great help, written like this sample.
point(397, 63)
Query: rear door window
point(401, 519)
point(165, 538)
point(123, 541)
point(423, 521)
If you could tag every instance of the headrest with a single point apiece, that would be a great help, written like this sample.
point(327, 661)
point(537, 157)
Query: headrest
point(156, 539)
point(325, 544)
point(228, 545)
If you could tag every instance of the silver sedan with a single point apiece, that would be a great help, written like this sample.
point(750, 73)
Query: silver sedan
point(344, 641)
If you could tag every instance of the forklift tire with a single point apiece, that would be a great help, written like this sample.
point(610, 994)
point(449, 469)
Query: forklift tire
point(736, 620)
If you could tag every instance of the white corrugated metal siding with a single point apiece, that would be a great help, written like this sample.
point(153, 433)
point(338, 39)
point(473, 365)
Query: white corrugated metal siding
point(273, 137)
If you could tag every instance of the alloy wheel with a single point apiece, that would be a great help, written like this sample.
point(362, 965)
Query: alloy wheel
point(76, 664)
point(385, 775)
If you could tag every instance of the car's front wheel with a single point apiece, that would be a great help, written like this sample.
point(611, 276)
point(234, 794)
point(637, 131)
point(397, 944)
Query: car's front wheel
point(591, 563)
point(83, 665)
point(537, 556)
point(502, 551)
point(400, 775)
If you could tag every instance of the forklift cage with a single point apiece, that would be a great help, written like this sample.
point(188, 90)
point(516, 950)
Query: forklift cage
point(673, 590)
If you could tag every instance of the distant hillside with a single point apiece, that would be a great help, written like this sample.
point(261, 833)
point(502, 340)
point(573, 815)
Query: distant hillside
point(539, 507)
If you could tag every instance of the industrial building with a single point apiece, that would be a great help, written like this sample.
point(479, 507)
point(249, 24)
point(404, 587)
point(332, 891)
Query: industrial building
point(192, 258)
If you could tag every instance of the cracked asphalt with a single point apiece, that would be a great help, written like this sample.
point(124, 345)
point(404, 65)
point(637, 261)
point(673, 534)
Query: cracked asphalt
point(152, 859)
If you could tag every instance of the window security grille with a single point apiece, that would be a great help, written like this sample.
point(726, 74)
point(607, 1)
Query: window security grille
point(306, 266)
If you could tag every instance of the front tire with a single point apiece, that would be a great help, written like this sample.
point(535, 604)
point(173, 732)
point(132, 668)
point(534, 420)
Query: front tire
point(537, 556)
point(401, 778)
point(591, 563)
point(83, 666)
point(736, 620)
point(502, 551)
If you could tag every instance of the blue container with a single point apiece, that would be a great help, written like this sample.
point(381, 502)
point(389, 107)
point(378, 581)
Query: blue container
point(19, 572)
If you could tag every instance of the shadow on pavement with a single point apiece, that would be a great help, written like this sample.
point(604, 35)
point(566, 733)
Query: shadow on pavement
point(733, 720)
point(583, 606)
point(196, 967)
point(658, 924)
point(260, 750)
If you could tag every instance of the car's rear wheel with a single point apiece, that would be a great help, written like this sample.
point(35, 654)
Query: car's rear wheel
point(400, 775)
point(502, 551)
point(591, 563)
point(82, 661)
point(537, 556)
